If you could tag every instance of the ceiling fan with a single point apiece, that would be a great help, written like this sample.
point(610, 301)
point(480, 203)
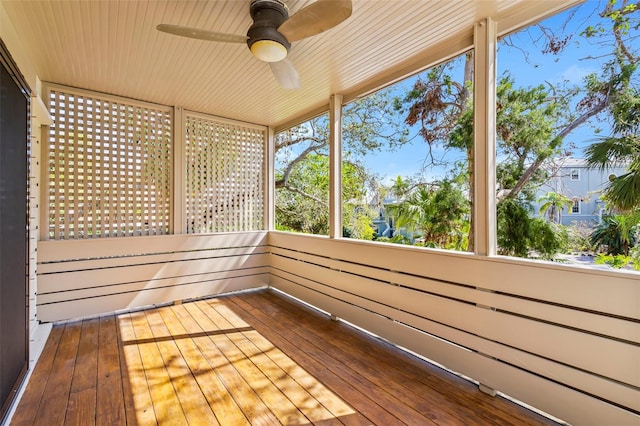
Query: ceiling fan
point(270, 36)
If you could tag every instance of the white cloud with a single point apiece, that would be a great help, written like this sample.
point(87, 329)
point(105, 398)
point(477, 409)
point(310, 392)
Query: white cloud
point(575, 73)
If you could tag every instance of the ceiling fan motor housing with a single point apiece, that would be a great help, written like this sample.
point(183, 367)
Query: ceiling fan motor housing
point(267, 16)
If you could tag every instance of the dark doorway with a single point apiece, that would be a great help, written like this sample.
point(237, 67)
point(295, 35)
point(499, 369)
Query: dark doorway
point(14, 236)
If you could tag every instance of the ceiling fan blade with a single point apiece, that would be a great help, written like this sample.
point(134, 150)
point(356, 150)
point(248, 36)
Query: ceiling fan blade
point(315, 18)
point(286, 74)
point(201, 34)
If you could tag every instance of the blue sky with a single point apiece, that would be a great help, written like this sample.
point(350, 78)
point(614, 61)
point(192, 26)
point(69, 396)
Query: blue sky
point(538, 68)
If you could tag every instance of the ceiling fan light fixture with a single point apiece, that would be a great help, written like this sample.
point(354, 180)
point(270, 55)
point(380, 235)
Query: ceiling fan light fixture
point(269, 50)
point(269, 37)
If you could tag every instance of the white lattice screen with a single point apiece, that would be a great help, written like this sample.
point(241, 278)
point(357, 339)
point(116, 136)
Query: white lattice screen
point(224, 175)
point(109, 167)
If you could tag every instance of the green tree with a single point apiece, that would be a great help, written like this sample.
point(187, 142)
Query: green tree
point(621, 148)
point(400, 186)
point(304, 206)
point(361, 227)
point(533, 122)
point(617, 233)
point(619, 85)
point(442, 108)
point(437, 213)
point(526, 121)
point(552, 205)
point(302, 164)
point(525, 236)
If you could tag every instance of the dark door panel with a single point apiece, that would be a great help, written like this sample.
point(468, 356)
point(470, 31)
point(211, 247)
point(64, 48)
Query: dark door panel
point(14, 243)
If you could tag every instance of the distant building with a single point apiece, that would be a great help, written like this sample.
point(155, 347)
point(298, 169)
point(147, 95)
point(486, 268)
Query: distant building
point(383, 224)
point(584, 186)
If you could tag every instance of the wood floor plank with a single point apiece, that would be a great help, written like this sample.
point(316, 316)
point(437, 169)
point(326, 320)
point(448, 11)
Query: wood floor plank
point(242, 392)
point(222, 404)
point(454, 397)
point(166, 404)
point(81, 408)
point(195, 406)
point(237, 374)
point(142, 411)
point(271, 391)
point(320, 392)
point(313, 387)
point(434, 405)
point(246, 342)
point(405, 409)
point(34, 391)
point(53, 408)
point(110, 409)
point(314, 362)
point(327, 399)
point(82, 397)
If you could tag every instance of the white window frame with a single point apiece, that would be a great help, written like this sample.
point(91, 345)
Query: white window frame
point(576, 202)
point(574, 174)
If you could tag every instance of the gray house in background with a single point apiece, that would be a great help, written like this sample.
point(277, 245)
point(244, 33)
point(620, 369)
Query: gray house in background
point(383, 224)
point(584, 186)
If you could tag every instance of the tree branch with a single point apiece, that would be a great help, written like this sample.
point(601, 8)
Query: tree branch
point(306, 195)
point(280, 183)
point(526, 176)
point(294, 141)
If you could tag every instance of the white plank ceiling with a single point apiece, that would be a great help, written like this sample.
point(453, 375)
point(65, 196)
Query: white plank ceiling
point(113, 47)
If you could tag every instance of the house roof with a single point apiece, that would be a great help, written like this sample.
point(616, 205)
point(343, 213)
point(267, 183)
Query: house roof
point(572, 162)
point(569, 162)
point(114, 47)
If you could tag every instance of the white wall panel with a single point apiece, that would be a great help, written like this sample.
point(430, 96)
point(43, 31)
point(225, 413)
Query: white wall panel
point(87, 277)
point(110, 302)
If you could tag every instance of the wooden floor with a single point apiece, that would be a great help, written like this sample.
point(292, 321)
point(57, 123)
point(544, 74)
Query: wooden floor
point(252, 358)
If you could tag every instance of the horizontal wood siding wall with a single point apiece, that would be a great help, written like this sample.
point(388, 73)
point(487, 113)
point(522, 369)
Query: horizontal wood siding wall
point(86, 277)
point(565, 340)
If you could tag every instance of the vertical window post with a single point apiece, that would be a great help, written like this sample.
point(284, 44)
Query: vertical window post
point(484, 139)
point(178, 221)
point(270, 181)
point(335, 167)
point(43, 201)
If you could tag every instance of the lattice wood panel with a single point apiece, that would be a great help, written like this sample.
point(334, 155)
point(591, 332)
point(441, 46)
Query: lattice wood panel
point(224, 175)
point(109, 167)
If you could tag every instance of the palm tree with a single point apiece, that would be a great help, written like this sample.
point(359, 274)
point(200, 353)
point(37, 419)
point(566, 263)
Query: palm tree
point(436, 212)
point(552, 205)
point(623, 146)
point(618, 233)
point(623, 192)
point(399, 187)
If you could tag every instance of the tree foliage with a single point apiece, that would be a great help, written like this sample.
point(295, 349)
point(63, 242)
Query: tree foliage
point(304, 207)
point(437, 213)
point(525, 236)
point(533, 122)
point(302, 171)
point(619, 83)
point(552, 205)
point(617, 233)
